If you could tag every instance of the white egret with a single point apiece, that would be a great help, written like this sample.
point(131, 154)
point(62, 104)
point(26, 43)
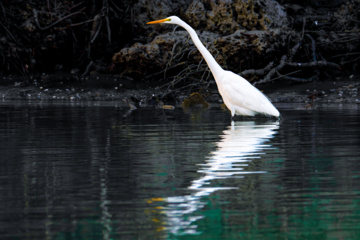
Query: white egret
point(240, 97)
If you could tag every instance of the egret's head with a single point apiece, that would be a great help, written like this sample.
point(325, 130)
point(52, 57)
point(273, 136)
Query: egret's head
point(168, 20)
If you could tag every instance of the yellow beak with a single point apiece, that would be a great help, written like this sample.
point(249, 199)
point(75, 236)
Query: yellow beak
point(159, 21)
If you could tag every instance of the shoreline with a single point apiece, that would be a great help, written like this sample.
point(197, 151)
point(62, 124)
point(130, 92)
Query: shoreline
point(106, 88)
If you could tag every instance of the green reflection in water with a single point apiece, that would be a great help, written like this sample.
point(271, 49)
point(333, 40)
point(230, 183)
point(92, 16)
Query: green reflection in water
point(316, 220)
point(85, 229)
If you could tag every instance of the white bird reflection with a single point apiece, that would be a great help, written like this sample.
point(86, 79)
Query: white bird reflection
point(240, 144)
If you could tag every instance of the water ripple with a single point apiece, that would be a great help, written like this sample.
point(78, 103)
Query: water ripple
point(240, 143)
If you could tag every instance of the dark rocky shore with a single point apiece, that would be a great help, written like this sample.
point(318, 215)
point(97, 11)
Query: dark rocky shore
point(294, 51)
point(343, 89)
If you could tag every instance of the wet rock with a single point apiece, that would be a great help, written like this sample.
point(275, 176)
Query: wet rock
point(196, 14)
point(243, 47)
point(142, 59)
point(132, 60)
point(226, 17)
point(229, 19)
point(231, 51)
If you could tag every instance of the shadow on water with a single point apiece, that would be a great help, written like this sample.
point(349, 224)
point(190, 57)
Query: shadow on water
point(240, 144)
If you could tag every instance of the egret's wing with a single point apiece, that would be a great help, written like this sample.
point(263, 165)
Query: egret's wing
point(240, 93)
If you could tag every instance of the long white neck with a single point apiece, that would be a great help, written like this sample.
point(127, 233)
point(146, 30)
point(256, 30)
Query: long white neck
point(210, 60)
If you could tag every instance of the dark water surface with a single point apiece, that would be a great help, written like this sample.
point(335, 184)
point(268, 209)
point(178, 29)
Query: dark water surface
point(99, 171)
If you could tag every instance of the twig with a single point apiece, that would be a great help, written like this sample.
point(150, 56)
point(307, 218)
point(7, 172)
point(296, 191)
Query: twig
point(162, 71)
point(284, 75)
point(259, 72)
point(314, 64)
point(108, 28)
point(3, 10)
point(204, 73)
point(303, 80)
point(344, 55)
point(116, 7)
point(268, 76)
point(75, 24)
point(171, 57)
point(303, 28)
point(48, 5)
point(294, 51)
point(35, 13)
point(106, 10)
point(7, 30)
point(95, 27)
point(180, 88)
point(312, 46)
point(87, 68)
point(75, 6)
point(283, 62)
point(352, 60)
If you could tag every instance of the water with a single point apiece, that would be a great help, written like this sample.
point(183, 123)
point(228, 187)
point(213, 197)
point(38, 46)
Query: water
point(100, 171)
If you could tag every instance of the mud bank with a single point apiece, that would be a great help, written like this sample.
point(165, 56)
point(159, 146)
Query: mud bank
point(343, 89)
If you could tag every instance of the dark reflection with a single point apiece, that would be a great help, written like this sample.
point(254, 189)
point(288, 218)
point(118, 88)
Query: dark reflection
point(240, 143)
point(100, 171)
point(85, 170)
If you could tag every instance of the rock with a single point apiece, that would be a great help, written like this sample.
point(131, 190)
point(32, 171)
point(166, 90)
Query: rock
point(230, 19)
point(195, 14)
point(141, 59)
point(230, 51)
point(226, 17)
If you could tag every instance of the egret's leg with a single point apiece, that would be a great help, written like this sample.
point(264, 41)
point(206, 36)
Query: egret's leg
point(232, 111)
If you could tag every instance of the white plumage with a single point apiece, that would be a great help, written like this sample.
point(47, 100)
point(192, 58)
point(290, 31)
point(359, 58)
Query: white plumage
point(239, 96)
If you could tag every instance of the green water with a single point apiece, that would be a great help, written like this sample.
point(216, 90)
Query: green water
point(100, 171)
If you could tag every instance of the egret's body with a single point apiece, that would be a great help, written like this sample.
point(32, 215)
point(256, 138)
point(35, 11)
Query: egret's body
point(239, 96)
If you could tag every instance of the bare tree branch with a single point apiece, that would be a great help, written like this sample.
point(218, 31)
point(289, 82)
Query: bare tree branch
point(314, 64)
point(35, 13)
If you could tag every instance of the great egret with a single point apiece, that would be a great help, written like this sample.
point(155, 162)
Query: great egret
point(240, 97)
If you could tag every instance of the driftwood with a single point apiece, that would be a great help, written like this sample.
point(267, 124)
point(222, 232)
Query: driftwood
point(287, 60)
